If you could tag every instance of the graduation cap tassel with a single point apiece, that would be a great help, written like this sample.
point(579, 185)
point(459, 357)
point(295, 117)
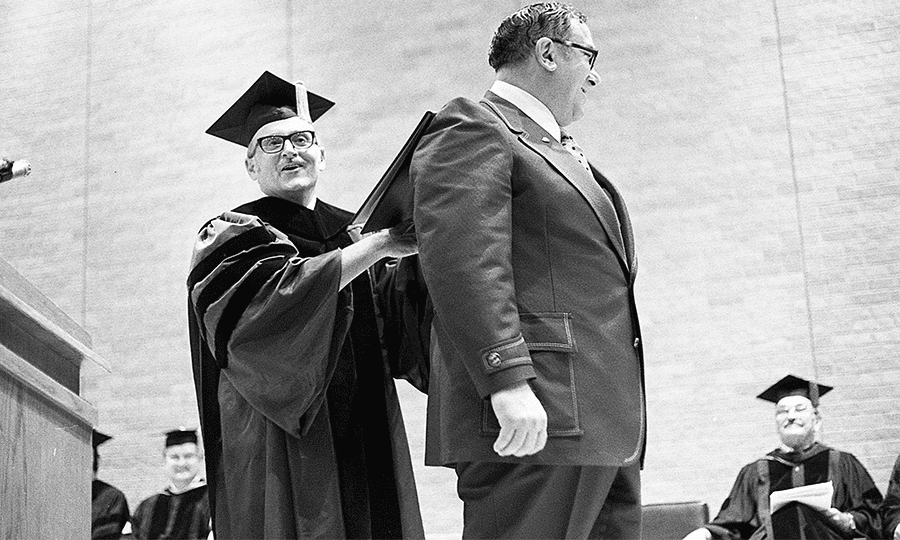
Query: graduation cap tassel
point(814, 393)
point(302, 102)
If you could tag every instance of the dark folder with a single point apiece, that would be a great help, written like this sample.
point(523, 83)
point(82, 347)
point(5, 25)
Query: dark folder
point(391, 202)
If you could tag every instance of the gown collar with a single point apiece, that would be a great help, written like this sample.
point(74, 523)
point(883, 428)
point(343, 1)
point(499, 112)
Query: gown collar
point(796, 457)
point(321, 223)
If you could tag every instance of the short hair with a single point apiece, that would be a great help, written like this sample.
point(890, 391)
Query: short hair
point(517, 34)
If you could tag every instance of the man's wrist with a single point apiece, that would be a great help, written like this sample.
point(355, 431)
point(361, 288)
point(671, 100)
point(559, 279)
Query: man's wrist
point(851, 523)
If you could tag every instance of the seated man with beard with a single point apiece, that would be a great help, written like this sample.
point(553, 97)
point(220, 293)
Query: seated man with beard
point(799, 461)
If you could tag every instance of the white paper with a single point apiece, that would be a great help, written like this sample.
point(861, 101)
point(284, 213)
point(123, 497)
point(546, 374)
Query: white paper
point(817, 496)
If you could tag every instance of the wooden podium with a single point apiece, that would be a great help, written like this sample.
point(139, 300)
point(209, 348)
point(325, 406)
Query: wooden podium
point(45, 425)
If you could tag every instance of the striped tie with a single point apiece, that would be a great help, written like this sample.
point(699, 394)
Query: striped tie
point(569, 144)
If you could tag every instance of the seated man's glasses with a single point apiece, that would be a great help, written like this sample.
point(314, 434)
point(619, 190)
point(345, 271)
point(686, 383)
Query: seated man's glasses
point(592, 53)
point(274, 143)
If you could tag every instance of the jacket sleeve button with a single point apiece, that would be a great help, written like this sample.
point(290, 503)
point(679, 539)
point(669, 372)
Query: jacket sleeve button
point(637, 342)
point(493, 359)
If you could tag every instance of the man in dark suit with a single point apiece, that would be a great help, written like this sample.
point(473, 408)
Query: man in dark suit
point(536, 394)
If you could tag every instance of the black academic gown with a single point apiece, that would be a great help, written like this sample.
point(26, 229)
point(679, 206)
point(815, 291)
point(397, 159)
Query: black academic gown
point(744, 512)
point(167, 515)
point(890, 508)
point(109, 511)
point(301, 421)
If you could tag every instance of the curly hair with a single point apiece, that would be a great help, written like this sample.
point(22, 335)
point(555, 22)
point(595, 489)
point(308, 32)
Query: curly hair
point(517, 33)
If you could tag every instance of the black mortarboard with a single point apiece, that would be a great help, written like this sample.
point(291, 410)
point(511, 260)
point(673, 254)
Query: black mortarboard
point(180, 436)
point(98, 438)
point(795, 386)
point(269, 99)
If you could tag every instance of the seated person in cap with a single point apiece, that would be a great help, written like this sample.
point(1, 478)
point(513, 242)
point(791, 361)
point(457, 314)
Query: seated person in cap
point(301, 421)
point(890, 508)
point(799, 461)
point(109, 508)
point(181, 510)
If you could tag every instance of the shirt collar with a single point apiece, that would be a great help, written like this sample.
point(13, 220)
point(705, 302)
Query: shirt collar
point(529, 105)
point(195, 483)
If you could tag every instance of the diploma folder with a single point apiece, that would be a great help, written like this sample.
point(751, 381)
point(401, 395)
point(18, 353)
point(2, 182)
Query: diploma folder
point(391, 202)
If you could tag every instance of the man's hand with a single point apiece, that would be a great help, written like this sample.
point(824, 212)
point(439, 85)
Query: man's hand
point(402, 240)
point(370, 248)
point(843, 520)
point(523, 421)
point(699, 534)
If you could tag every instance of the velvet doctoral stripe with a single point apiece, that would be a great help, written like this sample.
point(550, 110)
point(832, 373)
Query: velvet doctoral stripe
point(243, 242)
point(242, 297)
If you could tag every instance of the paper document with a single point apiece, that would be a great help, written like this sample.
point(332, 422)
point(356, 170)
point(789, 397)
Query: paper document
point(817, 496)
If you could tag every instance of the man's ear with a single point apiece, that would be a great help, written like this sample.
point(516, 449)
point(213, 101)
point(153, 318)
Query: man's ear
point(322, 160)
point(251, 167)
point(545, 54)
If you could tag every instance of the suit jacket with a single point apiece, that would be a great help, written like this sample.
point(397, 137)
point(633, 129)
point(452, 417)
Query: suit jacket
point(529, 282)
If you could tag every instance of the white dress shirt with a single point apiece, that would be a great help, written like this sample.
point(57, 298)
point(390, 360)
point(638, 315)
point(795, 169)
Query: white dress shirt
point(529, 105)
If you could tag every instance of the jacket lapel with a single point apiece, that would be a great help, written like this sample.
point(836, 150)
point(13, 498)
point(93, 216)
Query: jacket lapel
point(538, 140)
point(624, 219)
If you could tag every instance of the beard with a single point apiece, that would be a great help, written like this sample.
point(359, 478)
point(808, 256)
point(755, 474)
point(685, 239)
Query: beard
point(798, 440)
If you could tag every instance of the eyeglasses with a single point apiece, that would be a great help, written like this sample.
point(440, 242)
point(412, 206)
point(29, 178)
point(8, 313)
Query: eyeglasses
point(800, 408)
point(584, 48)
point(274, 143)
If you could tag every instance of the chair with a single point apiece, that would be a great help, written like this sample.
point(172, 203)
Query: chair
point(672, 521)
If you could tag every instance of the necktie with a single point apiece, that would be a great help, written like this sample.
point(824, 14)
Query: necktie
point(609, 211)
point(569, 144)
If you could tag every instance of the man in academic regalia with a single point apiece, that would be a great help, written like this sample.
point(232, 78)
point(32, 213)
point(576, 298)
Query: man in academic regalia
point(181, 510)
point(799, 461)
point(890, 507)
point(109, 508)
point(301, 421)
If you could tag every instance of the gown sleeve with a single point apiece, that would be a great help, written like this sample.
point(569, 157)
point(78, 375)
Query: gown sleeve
point(738, 516)
point(268, 316)
point(890, 508)
point(139, 521)
point(856, 493)
point(406, 313)
point(110, 516)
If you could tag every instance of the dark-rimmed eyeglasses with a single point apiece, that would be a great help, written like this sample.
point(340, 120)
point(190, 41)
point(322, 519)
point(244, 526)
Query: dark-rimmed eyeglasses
point(584, 48)
point(273, 144)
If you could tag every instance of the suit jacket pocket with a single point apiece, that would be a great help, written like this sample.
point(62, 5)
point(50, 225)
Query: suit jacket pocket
point(551, 345)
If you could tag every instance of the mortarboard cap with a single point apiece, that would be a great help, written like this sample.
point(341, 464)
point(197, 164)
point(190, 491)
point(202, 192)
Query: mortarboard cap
point(795, 386)
point(180, 436)
point(98, 438)
point(269, 99)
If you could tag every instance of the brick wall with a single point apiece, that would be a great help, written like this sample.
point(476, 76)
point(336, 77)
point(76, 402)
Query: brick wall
point(754, 142)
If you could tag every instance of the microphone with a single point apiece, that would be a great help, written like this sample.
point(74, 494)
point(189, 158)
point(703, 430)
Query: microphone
point(10, 169)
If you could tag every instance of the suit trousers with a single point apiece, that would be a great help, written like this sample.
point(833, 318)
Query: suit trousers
point(510, 500)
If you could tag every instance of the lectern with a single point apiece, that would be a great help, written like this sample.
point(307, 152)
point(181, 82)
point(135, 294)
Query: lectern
point(45, 424)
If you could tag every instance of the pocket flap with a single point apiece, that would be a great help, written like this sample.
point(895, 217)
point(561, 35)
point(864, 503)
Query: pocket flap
point(548, 331)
